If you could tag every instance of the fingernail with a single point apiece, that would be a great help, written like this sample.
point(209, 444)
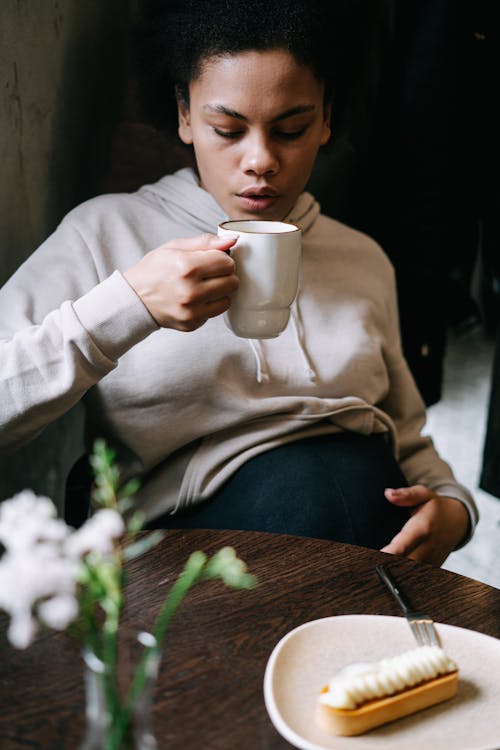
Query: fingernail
point(394, 493)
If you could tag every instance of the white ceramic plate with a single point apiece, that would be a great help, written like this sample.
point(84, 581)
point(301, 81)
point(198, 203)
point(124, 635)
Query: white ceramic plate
point(307, 657)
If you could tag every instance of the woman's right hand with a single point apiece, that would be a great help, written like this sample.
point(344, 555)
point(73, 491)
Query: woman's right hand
point(186, 281)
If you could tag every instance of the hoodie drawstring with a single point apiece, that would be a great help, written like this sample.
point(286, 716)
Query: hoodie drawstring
point(260, 361)
point(262, 374)
point(299, 332)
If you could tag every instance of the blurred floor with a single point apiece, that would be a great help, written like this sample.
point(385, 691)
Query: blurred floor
point(457, 424)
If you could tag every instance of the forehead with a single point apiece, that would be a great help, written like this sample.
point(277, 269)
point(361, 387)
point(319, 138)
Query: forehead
point(268, 79)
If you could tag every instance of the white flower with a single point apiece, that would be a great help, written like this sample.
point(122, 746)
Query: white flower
point(25, 519)
point(59, 611)
point(40, 567)
point(96, 534)
point(27, 578)
point(36, 575)
point(22, 630)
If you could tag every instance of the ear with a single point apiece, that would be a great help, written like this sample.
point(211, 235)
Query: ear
point(327, 129)
point(184, 118)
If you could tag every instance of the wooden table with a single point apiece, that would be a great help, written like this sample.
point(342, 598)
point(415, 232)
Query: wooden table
point(210, 686)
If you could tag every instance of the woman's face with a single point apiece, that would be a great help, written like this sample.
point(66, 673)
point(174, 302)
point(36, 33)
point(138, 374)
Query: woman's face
point(256, 121)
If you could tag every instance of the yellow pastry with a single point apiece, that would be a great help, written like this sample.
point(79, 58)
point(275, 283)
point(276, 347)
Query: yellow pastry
point(364, 696)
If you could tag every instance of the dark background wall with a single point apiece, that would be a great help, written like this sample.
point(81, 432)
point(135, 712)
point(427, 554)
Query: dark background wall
point(63, 64)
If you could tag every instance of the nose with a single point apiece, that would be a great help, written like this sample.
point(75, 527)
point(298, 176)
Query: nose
point(259, 157)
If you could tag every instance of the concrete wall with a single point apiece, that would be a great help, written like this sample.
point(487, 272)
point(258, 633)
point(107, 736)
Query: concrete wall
point(62, 65)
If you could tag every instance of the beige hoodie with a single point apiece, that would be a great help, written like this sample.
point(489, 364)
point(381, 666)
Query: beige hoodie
point(185, 410)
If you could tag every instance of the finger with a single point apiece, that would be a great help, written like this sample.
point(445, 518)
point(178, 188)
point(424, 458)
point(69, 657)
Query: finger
point(213, 289)
point(203, 312)
point(408, 497)
point(407, 540)
point(428, 554)
point(217, 307)
point(212, 263)
point(202, 242)
point(414, 550)
point(210, 297)
point(196, 266)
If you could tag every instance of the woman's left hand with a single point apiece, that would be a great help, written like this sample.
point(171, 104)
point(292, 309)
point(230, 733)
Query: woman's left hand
point(437, 524)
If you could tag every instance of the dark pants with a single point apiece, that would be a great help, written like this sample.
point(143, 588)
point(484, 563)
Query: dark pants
point(330, 487)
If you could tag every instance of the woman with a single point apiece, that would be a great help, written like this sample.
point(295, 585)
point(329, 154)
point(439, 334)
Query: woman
point(297, 434)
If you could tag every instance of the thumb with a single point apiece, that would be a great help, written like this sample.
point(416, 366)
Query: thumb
point(409, 497)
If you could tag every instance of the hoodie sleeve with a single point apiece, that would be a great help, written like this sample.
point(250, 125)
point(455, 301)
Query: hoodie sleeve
point(418, 458)
point(62, 329)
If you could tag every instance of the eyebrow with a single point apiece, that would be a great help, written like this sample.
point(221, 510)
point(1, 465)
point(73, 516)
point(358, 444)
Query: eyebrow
point(221, 109)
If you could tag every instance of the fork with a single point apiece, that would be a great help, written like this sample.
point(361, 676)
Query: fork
point(422, 626)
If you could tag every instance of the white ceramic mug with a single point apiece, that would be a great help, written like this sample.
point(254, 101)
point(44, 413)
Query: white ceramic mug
point(267, 257)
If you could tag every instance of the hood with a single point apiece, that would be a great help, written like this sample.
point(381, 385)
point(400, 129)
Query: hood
point(189, 204)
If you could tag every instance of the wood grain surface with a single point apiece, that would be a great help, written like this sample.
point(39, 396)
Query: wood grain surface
point(209, 693)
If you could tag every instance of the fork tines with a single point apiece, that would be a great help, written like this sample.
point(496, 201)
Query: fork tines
point(424, 631)
point(422, 626)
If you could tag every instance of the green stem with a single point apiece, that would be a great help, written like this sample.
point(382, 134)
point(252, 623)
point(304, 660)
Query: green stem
point(190, 575)
point(110, 658)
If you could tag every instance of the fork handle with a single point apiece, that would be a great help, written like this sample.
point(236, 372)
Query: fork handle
point(391, 584)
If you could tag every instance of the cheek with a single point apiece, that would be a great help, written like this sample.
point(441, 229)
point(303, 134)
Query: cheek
point(209, 148)
point(205, 153)
point(301, 161)
point(308, 156)
point(214, 165)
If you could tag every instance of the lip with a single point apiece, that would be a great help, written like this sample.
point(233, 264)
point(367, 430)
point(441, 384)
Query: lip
point(257, 199)
point(259, 192)
point(255, 203)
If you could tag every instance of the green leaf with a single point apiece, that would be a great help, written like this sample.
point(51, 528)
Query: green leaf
point(130, 488)
point(142, 545)
point(136, 522)
point(230, 569)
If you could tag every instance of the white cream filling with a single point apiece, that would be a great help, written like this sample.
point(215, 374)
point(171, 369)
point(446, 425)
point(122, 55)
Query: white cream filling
point(358, 683)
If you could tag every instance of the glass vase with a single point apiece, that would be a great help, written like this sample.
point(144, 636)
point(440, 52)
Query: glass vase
point(119, 693)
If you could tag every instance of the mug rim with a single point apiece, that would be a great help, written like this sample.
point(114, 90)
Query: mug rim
point(222, 225)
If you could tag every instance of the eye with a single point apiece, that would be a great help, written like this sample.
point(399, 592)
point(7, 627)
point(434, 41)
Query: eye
point(290, 136)
point(228, 133)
